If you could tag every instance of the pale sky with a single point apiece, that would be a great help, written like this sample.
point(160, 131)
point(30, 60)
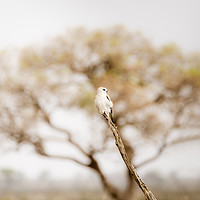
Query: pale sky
point(24, 22)
point(29, 21)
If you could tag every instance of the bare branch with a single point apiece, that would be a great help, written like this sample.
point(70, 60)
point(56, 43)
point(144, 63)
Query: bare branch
point(183, 139)
point(66, 158)
point(118, 141)
point(48, 120)
point(166, 145)
point(154, 157)
point(69, 138)
point(93, 164)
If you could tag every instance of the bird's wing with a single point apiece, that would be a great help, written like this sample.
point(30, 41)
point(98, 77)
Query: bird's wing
point(101, 103)
point(108, 97)
point(110, 102)
point(111, 117)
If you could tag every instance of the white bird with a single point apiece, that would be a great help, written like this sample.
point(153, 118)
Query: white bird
point(103, 103)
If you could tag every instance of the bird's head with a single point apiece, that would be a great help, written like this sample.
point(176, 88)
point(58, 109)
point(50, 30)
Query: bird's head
point(102, 90)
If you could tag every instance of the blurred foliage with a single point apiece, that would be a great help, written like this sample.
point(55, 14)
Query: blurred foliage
point(156, 91)
point(7, 172)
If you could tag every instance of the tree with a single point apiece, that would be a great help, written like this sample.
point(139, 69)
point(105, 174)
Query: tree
point(155, 94)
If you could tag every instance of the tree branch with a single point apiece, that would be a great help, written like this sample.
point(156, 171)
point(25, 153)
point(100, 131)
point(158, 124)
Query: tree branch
point(154, 157)
point(166, 145)
point(69, 139)
point(48, 120)
point(66, 158)
point(118, 141)
point(184, 139)
point(93, 164)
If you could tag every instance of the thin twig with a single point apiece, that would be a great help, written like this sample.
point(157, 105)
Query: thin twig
point(118, 141)
point(48, 120)
point(167, 145)
point(66, 158)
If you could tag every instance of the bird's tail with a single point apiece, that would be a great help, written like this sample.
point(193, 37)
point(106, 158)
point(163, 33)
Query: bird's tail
point(111, 117)
point(108, 117)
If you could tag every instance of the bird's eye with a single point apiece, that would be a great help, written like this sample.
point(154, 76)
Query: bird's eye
point(104, 89)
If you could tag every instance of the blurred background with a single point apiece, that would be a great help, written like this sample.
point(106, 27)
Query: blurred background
point(54, 54)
